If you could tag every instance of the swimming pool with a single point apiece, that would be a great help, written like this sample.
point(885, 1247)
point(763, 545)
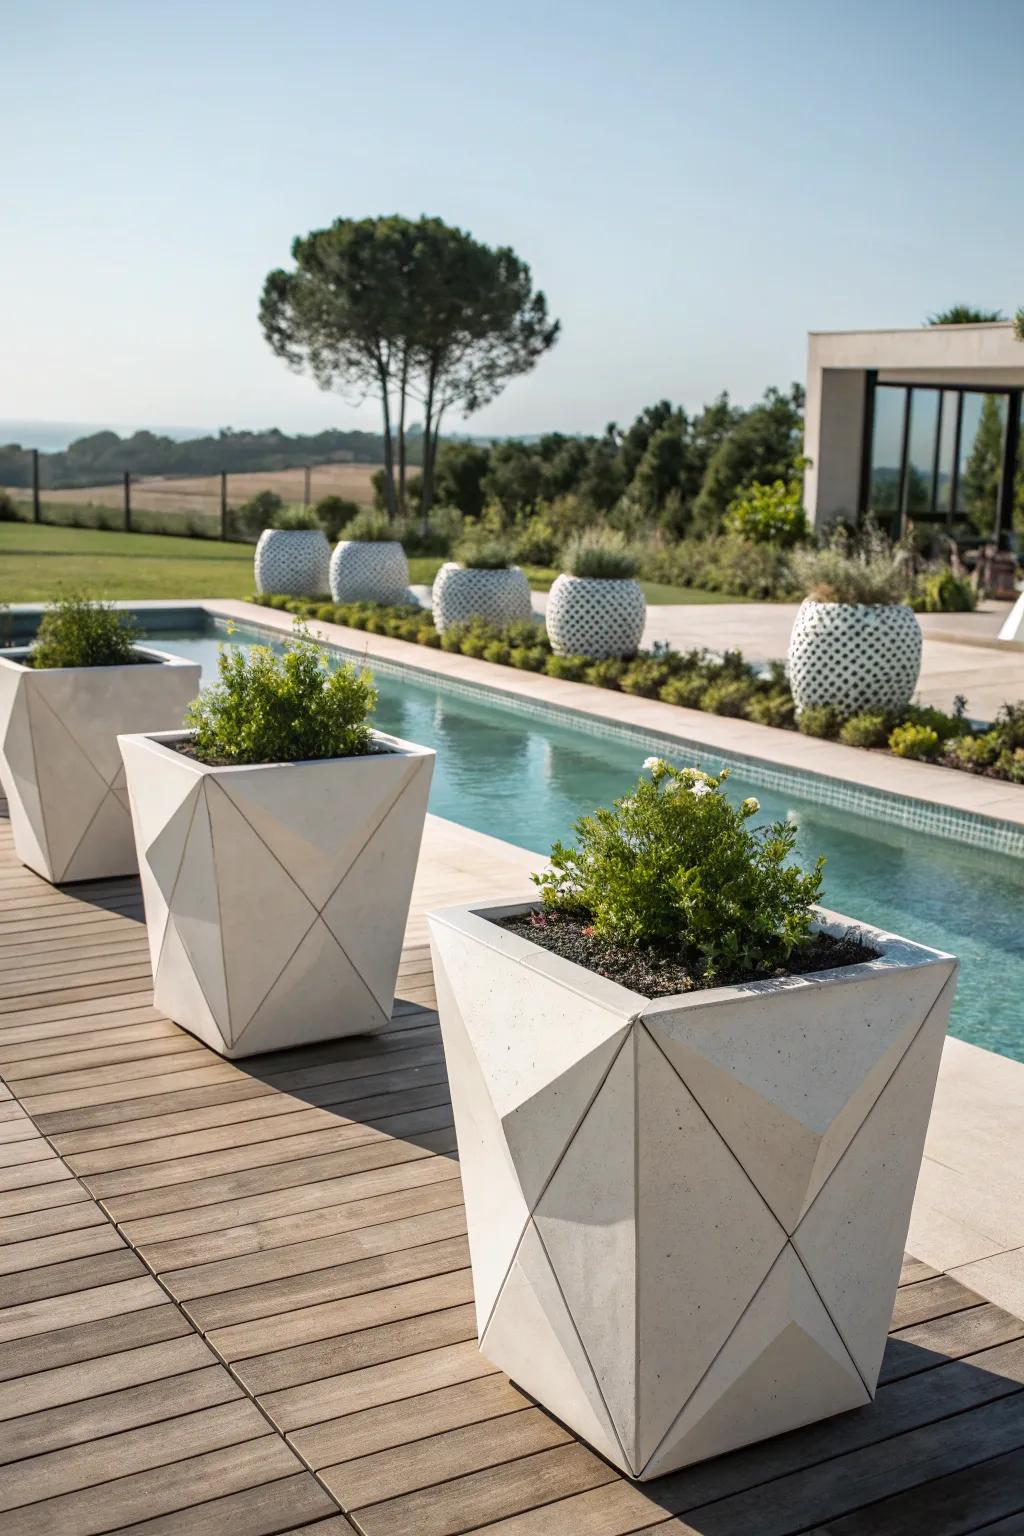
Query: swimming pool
point(525, 779)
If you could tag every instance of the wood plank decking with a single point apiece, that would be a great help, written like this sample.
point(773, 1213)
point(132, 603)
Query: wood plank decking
point(236, 1298)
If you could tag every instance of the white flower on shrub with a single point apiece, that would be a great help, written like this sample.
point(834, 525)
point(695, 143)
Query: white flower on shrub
point(750, 806)
point(651, 763)
point(700, 787)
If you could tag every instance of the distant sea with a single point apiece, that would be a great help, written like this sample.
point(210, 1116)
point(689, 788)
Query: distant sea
point(54, 436)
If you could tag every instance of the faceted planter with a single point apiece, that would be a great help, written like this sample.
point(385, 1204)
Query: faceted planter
point(60, 762)
point(276, 894)
point(591, 616)
point(854, 656)
point(460, 593)
point(293, 562)
point(369, 571)
point(686, 1217)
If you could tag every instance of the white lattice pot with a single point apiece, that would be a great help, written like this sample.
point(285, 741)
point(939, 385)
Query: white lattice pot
point(596, 617)
point(501, 597)
point(60, 761)
point(293, 561)
point(369, 571)
point(854, 656)
point(276, 894)
point(686, 1216)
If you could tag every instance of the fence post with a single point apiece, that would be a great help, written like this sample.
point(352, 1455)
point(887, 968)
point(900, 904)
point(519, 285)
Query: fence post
point(127, 501)
point(223, 503)
point(305, 493)
point(37, 514)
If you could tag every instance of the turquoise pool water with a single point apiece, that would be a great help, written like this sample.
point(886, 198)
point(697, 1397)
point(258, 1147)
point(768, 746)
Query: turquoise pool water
point(520, 778)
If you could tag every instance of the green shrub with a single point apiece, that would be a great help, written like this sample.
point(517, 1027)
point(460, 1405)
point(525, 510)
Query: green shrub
point(769, 514)
point(1009, 725)
point(674, 866)
point(370, 527)
point(607, 673)
point(539, 543)
point(296, 517)
point(867, 568)
point(868, 729)
point(599, 552)
point(281, 709)
point(645, 676)
point(528, 658)
point(909, 740)
point(77, 632)
point(481, 552)
point(686, 691)
point(496, 651)
point(526, 632)
point(773, 706)
point(976, 754)
point(8, 508)
point(821, 720)
point(729, 696)
point(941, 591)
point(259, 512)
point(726, 563)
point(571, 669)
point(333, 513)
point(945, 726)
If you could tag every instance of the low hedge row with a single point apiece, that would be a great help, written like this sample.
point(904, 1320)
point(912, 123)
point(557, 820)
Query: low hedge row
point(722, 685)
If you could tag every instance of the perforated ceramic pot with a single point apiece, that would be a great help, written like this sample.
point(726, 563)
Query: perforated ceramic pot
point(501, 597)
point(854, 656)
point(292, 561)
point(591, 616)
point(369, 571)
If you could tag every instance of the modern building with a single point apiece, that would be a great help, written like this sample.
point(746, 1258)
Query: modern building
point(919, 426)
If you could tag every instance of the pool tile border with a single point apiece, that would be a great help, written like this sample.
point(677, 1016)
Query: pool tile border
point(917, 813)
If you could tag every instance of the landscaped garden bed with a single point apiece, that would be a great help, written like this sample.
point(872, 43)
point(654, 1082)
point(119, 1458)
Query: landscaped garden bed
point(722, 685)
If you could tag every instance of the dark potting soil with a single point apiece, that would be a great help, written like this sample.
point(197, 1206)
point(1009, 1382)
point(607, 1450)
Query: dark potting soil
point(657, 973)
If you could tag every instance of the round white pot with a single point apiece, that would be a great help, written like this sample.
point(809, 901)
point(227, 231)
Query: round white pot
point(366, 571)
point(590, 616)
point(501, 597)
point(854, 656)
point(292, 561)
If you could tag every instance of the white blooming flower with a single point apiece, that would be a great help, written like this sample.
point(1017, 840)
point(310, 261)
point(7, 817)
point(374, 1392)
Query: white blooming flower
point(651, 763)
point(750, 806)
point(628, 803)
point(701, 787)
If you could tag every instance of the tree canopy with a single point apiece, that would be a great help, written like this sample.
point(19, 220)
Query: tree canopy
point(965, 314)
point(407, 310)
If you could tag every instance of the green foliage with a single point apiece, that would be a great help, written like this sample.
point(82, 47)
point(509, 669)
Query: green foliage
point(571, 669)
point(769, 514)
point(919, 741)
point(370, 528)
point(459, 477)
point(539, 543)
point(334, 512)
point(729, 696)
point(864, 569)
point(8, 508)
point(926, 715)
point(965, 314)
point(599, 552)
point(726, 563)
point(773, 707)
point(940, 590)
point(868, 729)
point(259, 512)
point(673, 866)
point(78, 632)
point(821, 721)
point(762, 447)
point(478, 552)
point(297, 518)
point(607, 673)
point(282, 709)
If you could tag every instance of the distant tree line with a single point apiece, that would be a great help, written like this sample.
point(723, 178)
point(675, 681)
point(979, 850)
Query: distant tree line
point(103, 457)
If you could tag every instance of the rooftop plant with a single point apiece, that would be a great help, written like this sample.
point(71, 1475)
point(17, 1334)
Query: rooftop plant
point(867, 568)
point(369, 527)
point(674, 867)
point(268, 708)
point(599, 552)
point(76, 631)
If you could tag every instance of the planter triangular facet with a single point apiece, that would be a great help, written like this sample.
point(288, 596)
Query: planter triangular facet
point(686, 1216)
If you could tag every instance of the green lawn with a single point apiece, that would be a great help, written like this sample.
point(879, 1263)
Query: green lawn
point(38, 562)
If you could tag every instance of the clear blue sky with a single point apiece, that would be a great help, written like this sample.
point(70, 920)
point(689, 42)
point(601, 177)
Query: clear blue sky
point(695, 186)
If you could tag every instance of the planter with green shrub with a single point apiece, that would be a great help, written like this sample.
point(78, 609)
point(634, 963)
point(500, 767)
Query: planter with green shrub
point(63, 702)
point(480, 583)
point(278, 837)
point(691, 1108)
point(369, 564)
point(856, 644)
point(596, 607)
point(293, 556)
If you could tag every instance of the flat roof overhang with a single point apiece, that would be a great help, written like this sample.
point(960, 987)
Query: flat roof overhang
point(937, 354)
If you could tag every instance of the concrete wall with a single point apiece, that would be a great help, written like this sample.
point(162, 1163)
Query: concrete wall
point(833, 435)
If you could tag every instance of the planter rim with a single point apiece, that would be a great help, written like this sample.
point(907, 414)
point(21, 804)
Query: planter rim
point(161, 743)
point(569, 576)
point(487, 570)
point(825, 602)
point(370, 543)
point(12, 656)
point(476, 921)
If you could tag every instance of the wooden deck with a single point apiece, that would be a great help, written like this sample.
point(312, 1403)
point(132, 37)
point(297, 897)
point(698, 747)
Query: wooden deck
point(236, 1298)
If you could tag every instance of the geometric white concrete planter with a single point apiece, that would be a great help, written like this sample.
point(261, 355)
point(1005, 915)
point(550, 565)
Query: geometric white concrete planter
point(276, 894)
point(686, 1217)
point(854, 656)
point(369, 571)
point(292, 562)
point(594, 616)
point(60, 762)
point(459, 593)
